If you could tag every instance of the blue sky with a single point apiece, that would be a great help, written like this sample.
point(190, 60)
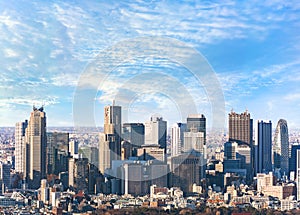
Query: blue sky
point(253, 47)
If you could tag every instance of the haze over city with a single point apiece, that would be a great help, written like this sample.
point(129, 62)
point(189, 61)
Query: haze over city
point(252, 46)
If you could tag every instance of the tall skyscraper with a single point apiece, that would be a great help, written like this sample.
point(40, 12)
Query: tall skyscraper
point(293, 158)
point(241, 131)
point(281, 147)
point(298, 174)
point(36, 141)
point(113, 124)
point(20, 146)
point(240, 128)
point(110, 139)
point(57, 152)
point(263, 147)
point(156, 132)
point(177, 138)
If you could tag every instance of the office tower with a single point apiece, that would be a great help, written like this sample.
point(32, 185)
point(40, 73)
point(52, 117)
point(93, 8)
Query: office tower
point(196, 123)
point(110, 139)
point(134, 133)
point(91, 153)
point(186, 170)
point(107, 151)
point(177, 139)
point(156, 132)
point(73, 147)
point(293, 158)
point(5, 175)
point(36, 141)
point(241, 131)
point(298, 174)
point(57, 152)
point(78, 173)
point(263, 147)
point(240, 128)
point(195, 138)
point(281, 147)
point(113, 124)
point(230, 150)
point(194, 141)
point(20, 145)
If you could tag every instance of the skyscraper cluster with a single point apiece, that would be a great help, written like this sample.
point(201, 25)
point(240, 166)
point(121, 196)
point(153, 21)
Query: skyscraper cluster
point(131, 157)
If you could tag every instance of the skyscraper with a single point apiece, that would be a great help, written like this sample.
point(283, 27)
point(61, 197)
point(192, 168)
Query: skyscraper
point(156, 132)
point(196, 123)
point(113, 124)
point(263, 147)
point(134, 133)
point(20, 145)
point(177, 139)
point(186, 169)
point(281, 147)
point(57, 152)
point(36, 141)
point(78, 173)
point(240, 128)
point(298, 174)
point(110, 139)
point(293, 158)
point(241, 131)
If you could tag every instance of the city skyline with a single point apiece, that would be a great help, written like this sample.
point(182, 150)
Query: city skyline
point(253, 50)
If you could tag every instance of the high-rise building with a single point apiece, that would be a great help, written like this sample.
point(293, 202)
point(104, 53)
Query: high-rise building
point(156, 132)
point(5, 175)
point(91, 153)
point(196, 123)
point(113, 124)
point(20, 146)
point(110, 139)
point(298, 174)
point(240, 128)
point(241, 131)
point(281, 147)
point(263, 147)
point(57, 152)
point(73, 147)
point(195, 139)
point(293, 158)
point(186, 170)
point(134, 133)
point(230, 150)
point(78, 173)
point(140, 175)
point(177, 138)
point(107, 154)
point(36, 141)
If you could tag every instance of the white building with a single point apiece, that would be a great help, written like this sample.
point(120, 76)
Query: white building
point(156, 131)
point(177, 138)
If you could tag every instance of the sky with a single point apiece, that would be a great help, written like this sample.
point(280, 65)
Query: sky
point(47, 47)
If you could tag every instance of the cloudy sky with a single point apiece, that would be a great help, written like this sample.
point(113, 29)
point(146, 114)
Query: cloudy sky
point(252, 46)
